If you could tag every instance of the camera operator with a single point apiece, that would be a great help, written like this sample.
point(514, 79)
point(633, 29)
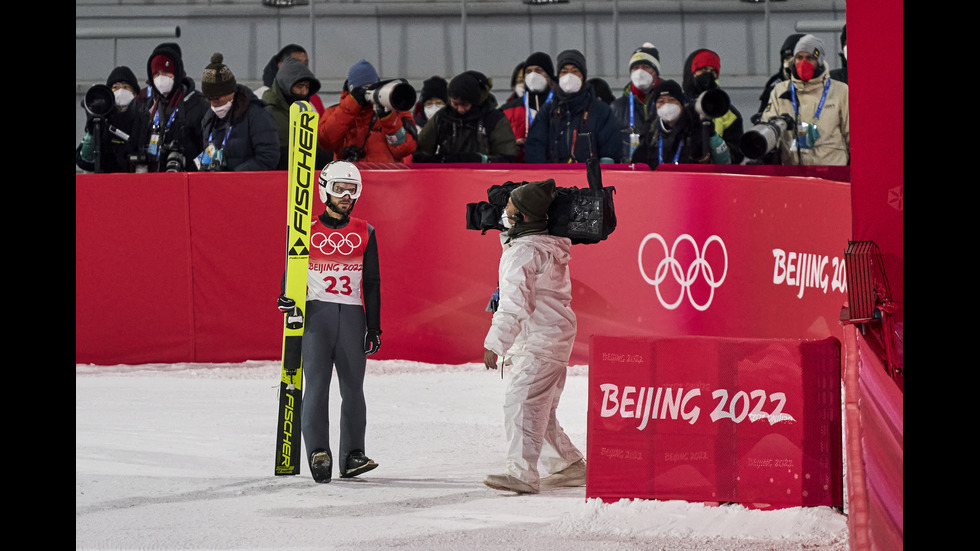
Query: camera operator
point(818, 106)
point(471, 129)
point(359, 129)
point(172, 111)
point(108, 149)
point(676, 133)
point(701, 71)
point(239, 134)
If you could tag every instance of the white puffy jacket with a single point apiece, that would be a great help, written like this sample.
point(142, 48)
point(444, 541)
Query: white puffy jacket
point(534, 314)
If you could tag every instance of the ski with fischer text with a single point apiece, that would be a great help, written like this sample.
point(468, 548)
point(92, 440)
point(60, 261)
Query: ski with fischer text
point(303, 120)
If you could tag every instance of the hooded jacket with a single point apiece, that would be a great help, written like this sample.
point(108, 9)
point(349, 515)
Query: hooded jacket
point(246, 136)
point(834, 143)
point(278, 99)
point(534, 315)
point(177, 115)
point(730, 125)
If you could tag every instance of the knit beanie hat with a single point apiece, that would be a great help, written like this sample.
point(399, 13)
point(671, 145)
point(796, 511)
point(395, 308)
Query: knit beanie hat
point(164, 63)
point(218, 79)
point(667, 88)
point(465, 87)
point(434, 87)
point(813, 45)
point(543, 60)
point(361, 73)
point(646, 54)
point(123, 74)
point(534, 199)
point(575, 58)
point(706, 58)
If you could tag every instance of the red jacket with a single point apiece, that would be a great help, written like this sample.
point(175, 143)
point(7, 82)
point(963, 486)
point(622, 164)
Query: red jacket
point(386, 140)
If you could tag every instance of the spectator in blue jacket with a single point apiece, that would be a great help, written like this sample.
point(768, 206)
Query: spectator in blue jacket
point(575, 126)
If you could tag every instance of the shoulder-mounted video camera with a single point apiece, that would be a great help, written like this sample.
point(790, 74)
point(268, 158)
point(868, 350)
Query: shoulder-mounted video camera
point(585, 216)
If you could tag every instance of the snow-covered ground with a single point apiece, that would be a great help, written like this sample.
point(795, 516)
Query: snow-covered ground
point(181, 457)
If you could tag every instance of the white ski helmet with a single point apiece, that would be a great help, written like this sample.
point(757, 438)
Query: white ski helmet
point(339, 171)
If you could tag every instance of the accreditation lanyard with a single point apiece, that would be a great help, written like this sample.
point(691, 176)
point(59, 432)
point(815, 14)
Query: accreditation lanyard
point(585, 117)
point(527, 110)
point(823, 98)
point(660, 150)
point(224, 141)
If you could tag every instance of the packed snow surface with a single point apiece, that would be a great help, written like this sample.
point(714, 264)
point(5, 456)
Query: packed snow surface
point(181, 456)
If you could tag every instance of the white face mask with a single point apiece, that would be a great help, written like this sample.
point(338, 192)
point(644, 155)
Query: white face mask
point(506, 221)
point(641, 79)
point(669, 112)
point(123, 97)
point(519, 88)
point(570, 83)
point(536, 82)
point(431, 110)
point(164, 84)
point(222, 110)
point(845, 52)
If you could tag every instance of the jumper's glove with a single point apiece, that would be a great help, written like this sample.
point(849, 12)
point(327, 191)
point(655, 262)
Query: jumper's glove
point(372, 341)
point(286, 304)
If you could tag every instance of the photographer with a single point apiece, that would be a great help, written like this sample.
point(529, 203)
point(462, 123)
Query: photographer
point(701, 71)
point(171, 112)
point(676, 133)
point(239, 134)
point(818, 107)
point(470, 130)
point(358, 129)
point(106, 146)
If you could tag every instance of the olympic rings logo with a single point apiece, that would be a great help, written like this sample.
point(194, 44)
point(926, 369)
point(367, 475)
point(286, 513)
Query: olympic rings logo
point(699, 268)
point(336, 242)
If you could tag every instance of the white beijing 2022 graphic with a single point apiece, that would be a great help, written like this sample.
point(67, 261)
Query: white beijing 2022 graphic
point(336, 243)
point(699, 268)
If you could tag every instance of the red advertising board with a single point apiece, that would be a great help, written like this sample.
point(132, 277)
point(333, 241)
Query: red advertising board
point(749, 421)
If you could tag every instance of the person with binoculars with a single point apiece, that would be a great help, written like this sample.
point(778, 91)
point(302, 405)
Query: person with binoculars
point(372, 121)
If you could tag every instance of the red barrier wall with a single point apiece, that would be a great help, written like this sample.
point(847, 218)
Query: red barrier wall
point(186, 267)
point(749, 421)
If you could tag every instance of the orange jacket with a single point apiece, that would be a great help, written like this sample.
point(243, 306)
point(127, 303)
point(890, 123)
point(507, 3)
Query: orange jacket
point(386, 140)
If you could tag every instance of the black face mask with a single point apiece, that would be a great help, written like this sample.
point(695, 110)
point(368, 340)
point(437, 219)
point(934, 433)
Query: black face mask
point(704, 82)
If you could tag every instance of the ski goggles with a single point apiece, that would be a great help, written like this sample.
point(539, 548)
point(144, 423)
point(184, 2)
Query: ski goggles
point(339, 188)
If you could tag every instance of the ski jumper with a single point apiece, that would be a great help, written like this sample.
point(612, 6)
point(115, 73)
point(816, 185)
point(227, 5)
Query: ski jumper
point(343, 300)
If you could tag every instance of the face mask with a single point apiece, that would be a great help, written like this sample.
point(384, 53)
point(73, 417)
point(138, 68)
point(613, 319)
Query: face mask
point(506, 221)
point(570, 83)
point(641, 79)
point(222, 110)
point(431, 110)
point(704, 82)
point(669, 112)
point(519, 88)
point(164, 84)
point(123, 97)
point(536, 82)
point(804, 70)
point(845, 53)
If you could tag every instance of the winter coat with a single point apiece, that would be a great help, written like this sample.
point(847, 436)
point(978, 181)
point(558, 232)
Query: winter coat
point(729, 126)
point(621, 110)
point(349, 125)
point(682, 142)
point(482, 134)
point(833, 145)
point(277, 104)
point(573, 128)
point(178, 115)
point(247, 135)
point(534, 315)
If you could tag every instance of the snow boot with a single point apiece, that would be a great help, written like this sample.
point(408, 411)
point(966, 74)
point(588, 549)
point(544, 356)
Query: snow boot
point(357, 463)
point(507, 482)
point(320, 465)
point(571, 476)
